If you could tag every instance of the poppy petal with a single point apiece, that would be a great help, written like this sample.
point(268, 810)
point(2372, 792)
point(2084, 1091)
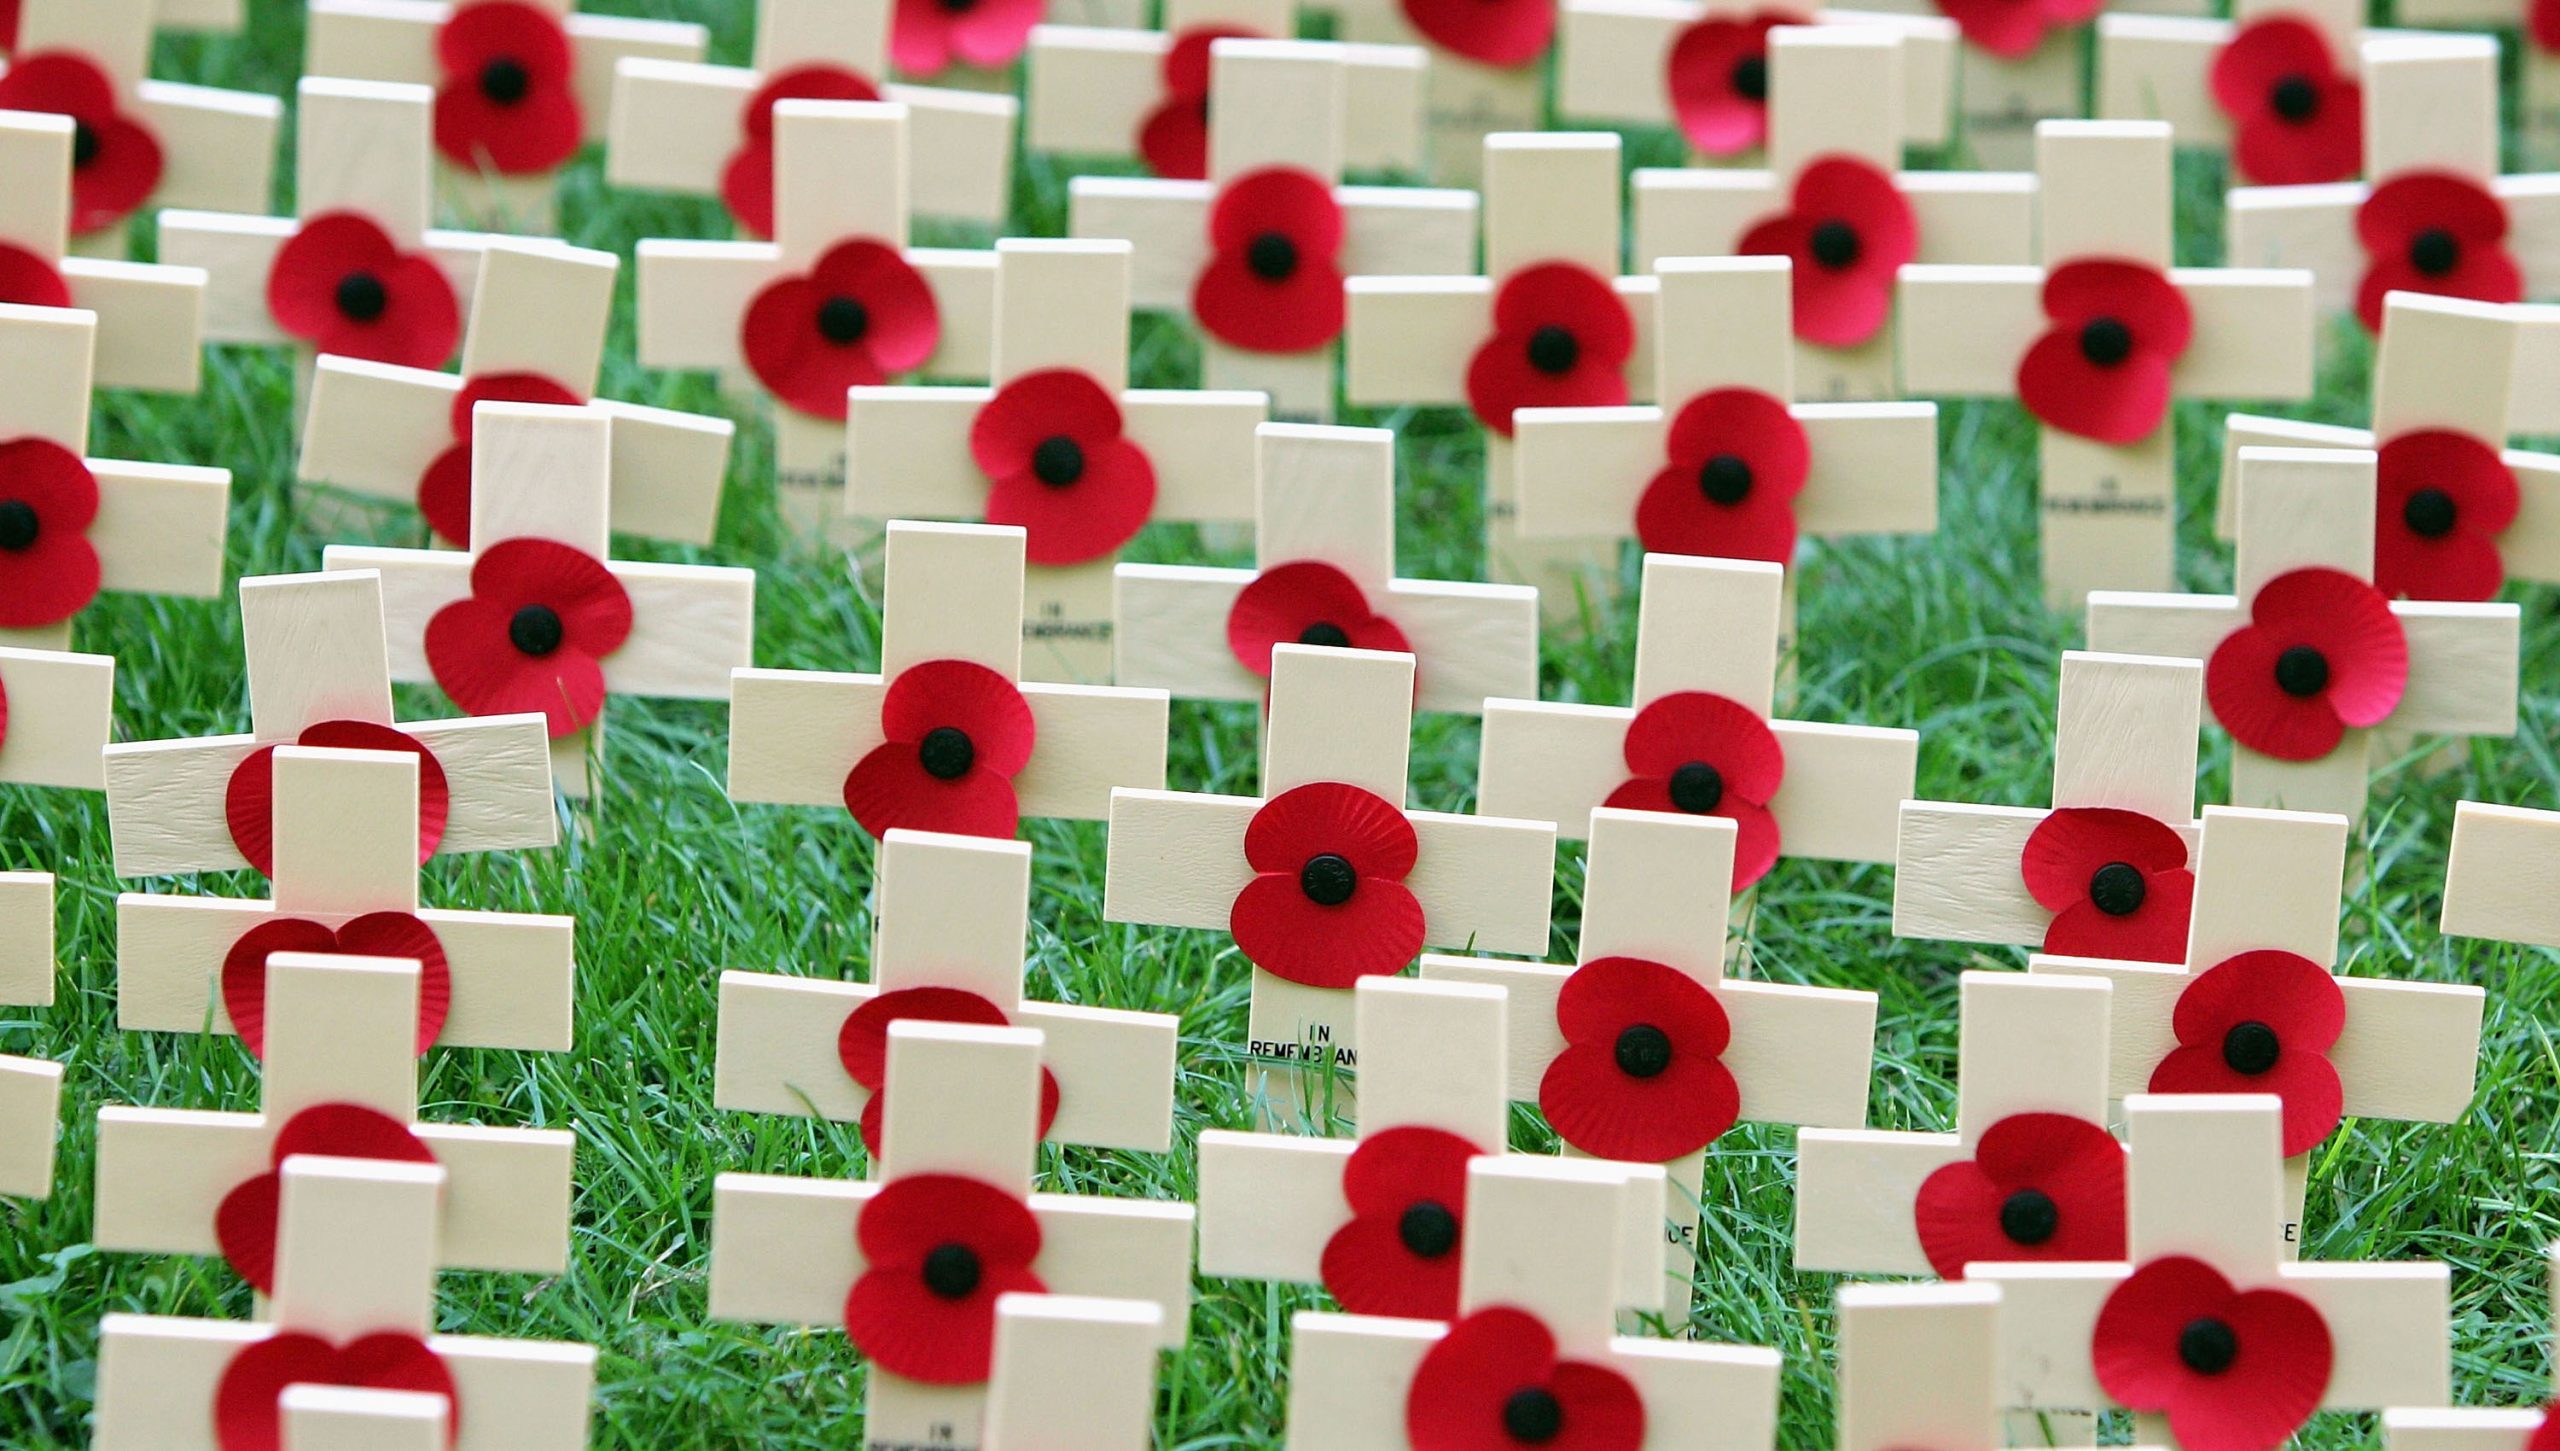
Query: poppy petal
point(889, 789)
point(966, 696)
point(1286, 603)
point(1286, 933)
point(1698, 726)
point(1366, 829)
point(247, 1401)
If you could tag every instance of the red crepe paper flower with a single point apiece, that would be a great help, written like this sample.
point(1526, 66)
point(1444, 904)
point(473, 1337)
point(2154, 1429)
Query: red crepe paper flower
point(1642, 1076)
point(1502, 33)
point(2116, 882)
point(1062, 469)
point(49, 570)
point(1493, 1381)
point(1398, 1252)
point(1328, 905)
point(862, 1045)
point(954, 734)
point(8, 24)
point(1273, 283)
point(248, 799)
point(2040, 1186)
point(1560, 339)
point(2434, 232)
point(2262, 1022)
point(247, 1412)
point(2232, 1370)
point(444, 489)
point(2012, 29)
point(244, 1224)
point(2321, 652)
point(926, 36)
point(2542, 27)
point(375, 934)
point(746, 182)
point(1305, 602)
point(1737, 458)
point(859, 317)
point(343, 286)
point(940, 1249)
point(115, 158)
point(2296, 116)
point(508, 101)
point(1174, 136)
point(2102, 369)
point(1719, 78)
point(1708, 755)
point(2442, 499)
point(1848, 231)
point(541, 619)
point(27, 280)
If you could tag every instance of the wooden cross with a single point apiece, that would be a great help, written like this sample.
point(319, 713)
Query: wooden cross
point(207, 16)
point(2429, 1428)
point(1467, 95)
point(2062, 338)
point(2496, 880)
point(2246, 86)
point(541, 619)
point(1279, 115)
point(1918, 1366)
point(786, 1251)
point(87, 525)
point(150, 318)
point(536, 335)
point(61, 715)
point(2305, 520)
point(1061, 310)
point(30, 1089)
point(1073, 1373)
point(1324, 519)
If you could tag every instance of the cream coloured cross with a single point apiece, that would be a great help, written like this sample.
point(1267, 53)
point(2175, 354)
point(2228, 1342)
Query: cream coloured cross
point(2498, 879)
point(1919, 1365)
point(30, 1089)
point(61, 715)
point(1073, 1373)
point(150, 318)
point(2538, 67)
point(2154, 67)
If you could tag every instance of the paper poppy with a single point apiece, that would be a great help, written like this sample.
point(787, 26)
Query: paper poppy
point(746, 180)
point(1502, 33)
point(1398, 1253)
point(244, 1224)
point(1707, 755)
point(1719, 80)
point(343, 286)
point(1305, 602)
point(938, 1250)
point(248, 798)
point(2321, 652)
point(1052, 448)
point(1642, 1076)
point(2116, 882)
point(859, 317)
point(2542, 27)
point(2296, 116)
point(2040, 1186)
point(1328, 904)
point(2438, 233)
point(2232, 1370)
point(115, 158)
point(375, 934)
point(1848, 231)
point(2441, 500)
point(862, 1045)
point(1273, 283)
point(1560, 340)
point(4, 713)
point(1173, 137)
point(508, 100)
point(27, 280)
point(49, 571)
point(2262, 1022)
point(541, 619)
point(248, 1412)
point(953, 735)
point(2012, 29)
point(1736, 459)
point(8, 24)
point(2101, 370)
point(1493, 1381)
point(926, 36)
point(444, 489)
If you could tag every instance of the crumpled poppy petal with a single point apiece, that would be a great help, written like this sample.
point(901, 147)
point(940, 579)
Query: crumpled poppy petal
point(1281, 930)
point(244, 1223)
point(889, 789)
point(49, 571)
point(1717, 76)
point(1287, 604)
point(1502, 33)
point(507, 101)
point(1699, 726)
point(2078, 1168)
point(247, 1401)
point(374, 934)
point(27, 280)
point(1368, 830)
point(900, 1322)
point(248, 798)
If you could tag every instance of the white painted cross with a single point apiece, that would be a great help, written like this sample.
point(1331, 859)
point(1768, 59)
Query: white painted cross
point(2498, 878)
point(150, 318)
point(209, 16)
point(1073, 1373)
point(30, 1089)
point(60, 715)
point(2429, 1428)
point(2274, 87)
point(1918, 1366)
point(957, 1160)
point(1486, 70)
point(2096, 342)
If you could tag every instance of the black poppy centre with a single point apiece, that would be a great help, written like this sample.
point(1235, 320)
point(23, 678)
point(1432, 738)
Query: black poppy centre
point(2029, 1217)
point(955, 7)
point(1697, 788)
point(1750, 78)
point(1272, 256)
point(1642, 1051)
point(2251, 1048)
point(2294, 98)
point(1553, 350)
point(946, 753)
point(2435, 252)
point(1057, 461)
point(85, 144)
point(843, 321)
point(1328, 880)
point(2429, 513)
point(2207, 1345)
point(1428, 1229)
point(1532, 1416)
point(1326, 634)
point(951, 1271)
point(2302, 671)
point(361, 297)
point(19, 526)
point(2117, 889)
point(1725, 479)
point(2105, 341)
point(1835, 244)
point(505, 81)
point(536, 630)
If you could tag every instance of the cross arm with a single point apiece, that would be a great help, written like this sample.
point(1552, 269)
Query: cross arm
point(1088, 87)
point(2158, 68)
point(2253, 333)
point(62, 715)
point(2410, 1050)
point(1964, 218)
point(150, 321)
point(1268, 1203)
point(1602, 44)
point(30, 1107)
point(907, 451)
point(1387, 231)
point(2463, 668)
point(27, 967)
point(160, 527)
point(693, 297)
point(217, 147)
point(1956, 878)
point(2502, 880)
point(1072, 1373)
point(2411, 1429)
point(2048, 1320)
point(1854, 1192)
point(2183, 627)
point(1410, 340)
point(236, 251)
point(1962, 329)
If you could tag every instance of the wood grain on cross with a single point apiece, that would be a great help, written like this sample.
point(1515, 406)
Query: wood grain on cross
point(150, 317)
point(2499, 881)
point(2537, 65)
point(2154, 67)
point(1918, 1366)
point(30, 1088)
point(1073, 1373)
point(61, 716)
point(2431, 1428)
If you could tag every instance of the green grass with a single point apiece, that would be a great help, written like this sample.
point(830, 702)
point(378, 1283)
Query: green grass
point(675, 883)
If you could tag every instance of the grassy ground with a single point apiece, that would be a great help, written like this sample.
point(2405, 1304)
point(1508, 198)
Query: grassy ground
point(676, 883)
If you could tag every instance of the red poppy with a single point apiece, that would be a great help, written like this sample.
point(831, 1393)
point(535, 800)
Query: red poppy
point(1052, 446)
point(2012, 29)
point(926, 36)
point(1501, 33)
point(2040, 1186)
point(2434, 232)
point(2321, 652)
point(862, 1044)
point(244, 1224)
point(2232, 1370)
point(954, 734)
point(1173, 137)
point(1848, 231)
point(49, 570)
point(4, 712)
point(1642, 1076)
point(860, 316)
point(248, 799)
point(1305, 602)
point(444, 489)
point(2102, 369)
point(247, 1402)
point(343, 286)
point(2116, 882)
point(1398, 1252)
point(1328, 905)
point(1273, 283)
point(746, 182)
point(541, 619)
point(115, 158)
point(2542, 27)
point(1708, 755)
point(2296, 116)
point(939, 1248)
point(1737, 458)
point(508, 101)
point(8, 24)
point(375, 934)
point(1493, 1381)
point(2262, 1022)
point(1719, 78)
point(2441, 501)
point(1560, 340)
point(27, 280)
